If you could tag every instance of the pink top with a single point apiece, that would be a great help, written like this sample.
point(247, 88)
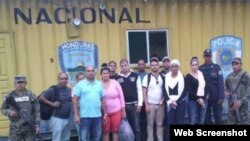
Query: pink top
point(114, 97)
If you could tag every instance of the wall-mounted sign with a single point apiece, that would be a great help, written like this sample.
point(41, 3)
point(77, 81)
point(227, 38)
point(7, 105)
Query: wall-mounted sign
point(224, 49)
point(75, 56)
point(87, 15)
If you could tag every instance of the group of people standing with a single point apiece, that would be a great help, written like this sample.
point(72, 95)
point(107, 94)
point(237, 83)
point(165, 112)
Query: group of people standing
point(150, 101)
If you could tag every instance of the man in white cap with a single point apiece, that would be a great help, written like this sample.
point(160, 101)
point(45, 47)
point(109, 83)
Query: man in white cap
point(166, 65)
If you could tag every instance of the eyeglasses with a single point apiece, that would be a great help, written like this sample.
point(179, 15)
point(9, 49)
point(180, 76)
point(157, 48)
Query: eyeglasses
point(194, 64)
point(175, 66)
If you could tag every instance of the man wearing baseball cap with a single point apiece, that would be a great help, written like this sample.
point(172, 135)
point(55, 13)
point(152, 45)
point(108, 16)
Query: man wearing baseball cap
point(20, 79)
point(214, 90)
point(152, 86)
point(27, 101)
point(166, 65)
point(238, 84)
point(207, 52)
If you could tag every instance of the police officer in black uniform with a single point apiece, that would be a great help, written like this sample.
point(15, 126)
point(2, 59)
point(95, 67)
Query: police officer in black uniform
point(214, 89)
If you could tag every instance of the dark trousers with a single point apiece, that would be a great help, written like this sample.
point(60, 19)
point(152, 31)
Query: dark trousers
point(213, 106)
point(174, 117)
point(134, 120)
point(143, 122)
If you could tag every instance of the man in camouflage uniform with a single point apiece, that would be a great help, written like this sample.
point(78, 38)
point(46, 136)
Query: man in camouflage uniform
point(26, 100)
point(242, 104)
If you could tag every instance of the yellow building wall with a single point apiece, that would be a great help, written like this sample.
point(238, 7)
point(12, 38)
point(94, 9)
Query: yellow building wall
point(191, 24)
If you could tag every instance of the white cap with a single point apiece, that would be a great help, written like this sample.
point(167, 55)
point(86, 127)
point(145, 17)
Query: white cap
point(175, 61)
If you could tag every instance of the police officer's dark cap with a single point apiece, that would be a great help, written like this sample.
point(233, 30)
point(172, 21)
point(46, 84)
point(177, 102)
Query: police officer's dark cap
point(237, 60)
point(207, 52)
point(20, 78)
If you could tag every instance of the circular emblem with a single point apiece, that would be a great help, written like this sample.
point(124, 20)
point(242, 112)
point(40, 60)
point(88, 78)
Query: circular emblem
point(224, 57)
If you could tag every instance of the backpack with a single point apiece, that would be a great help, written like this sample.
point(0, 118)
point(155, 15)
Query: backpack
point(46, 111)
point(161, 75)
point(163, 85)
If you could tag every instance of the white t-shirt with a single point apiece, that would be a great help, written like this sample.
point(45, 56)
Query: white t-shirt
point(154, 92)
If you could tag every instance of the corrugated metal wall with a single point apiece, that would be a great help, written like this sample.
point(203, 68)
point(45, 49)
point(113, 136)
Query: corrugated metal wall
point(191, 24)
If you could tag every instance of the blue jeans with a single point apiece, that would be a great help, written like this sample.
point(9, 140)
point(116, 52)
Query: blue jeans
point(45, 126)
point(60, 129)
point(195, 110)
point(134, 120)
point(92, 127)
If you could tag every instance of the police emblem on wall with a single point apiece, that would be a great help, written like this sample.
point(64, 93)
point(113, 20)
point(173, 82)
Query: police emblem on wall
point(75, 56)
point(224, 49)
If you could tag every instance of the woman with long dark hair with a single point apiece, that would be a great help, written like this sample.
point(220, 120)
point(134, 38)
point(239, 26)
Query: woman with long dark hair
point(196, 94)
point(115, 105)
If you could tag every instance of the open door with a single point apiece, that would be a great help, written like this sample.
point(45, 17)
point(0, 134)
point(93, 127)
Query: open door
point(7, 72)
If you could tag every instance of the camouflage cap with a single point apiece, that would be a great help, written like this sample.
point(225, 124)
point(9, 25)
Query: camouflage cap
point(237, 60)
point(20, 78)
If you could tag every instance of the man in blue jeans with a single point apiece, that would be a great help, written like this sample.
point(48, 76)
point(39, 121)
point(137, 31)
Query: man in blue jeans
point(60, 120)
point(132, 90)
point(90, 94)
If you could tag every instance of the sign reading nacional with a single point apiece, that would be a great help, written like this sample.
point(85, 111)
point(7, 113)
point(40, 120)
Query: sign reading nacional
point(87, 15)
point(75, 56)
point(224, 49)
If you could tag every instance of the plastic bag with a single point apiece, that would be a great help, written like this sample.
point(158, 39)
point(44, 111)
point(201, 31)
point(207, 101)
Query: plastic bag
point(125, 132)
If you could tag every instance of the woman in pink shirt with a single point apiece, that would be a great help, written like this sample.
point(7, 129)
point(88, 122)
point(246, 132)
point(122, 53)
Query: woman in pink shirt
point(115, 105)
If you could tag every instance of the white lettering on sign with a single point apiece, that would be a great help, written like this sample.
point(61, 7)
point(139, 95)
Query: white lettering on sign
point(22, 99)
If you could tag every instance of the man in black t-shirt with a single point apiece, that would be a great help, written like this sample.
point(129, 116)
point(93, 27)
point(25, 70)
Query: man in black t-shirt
point(60, 120)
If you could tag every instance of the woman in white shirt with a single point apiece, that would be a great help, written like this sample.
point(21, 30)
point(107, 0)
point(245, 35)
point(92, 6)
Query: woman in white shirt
point(175, 95)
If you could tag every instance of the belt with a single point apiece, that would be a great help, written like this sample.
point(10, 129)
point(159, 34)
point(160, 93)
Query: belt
point(134, 102)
